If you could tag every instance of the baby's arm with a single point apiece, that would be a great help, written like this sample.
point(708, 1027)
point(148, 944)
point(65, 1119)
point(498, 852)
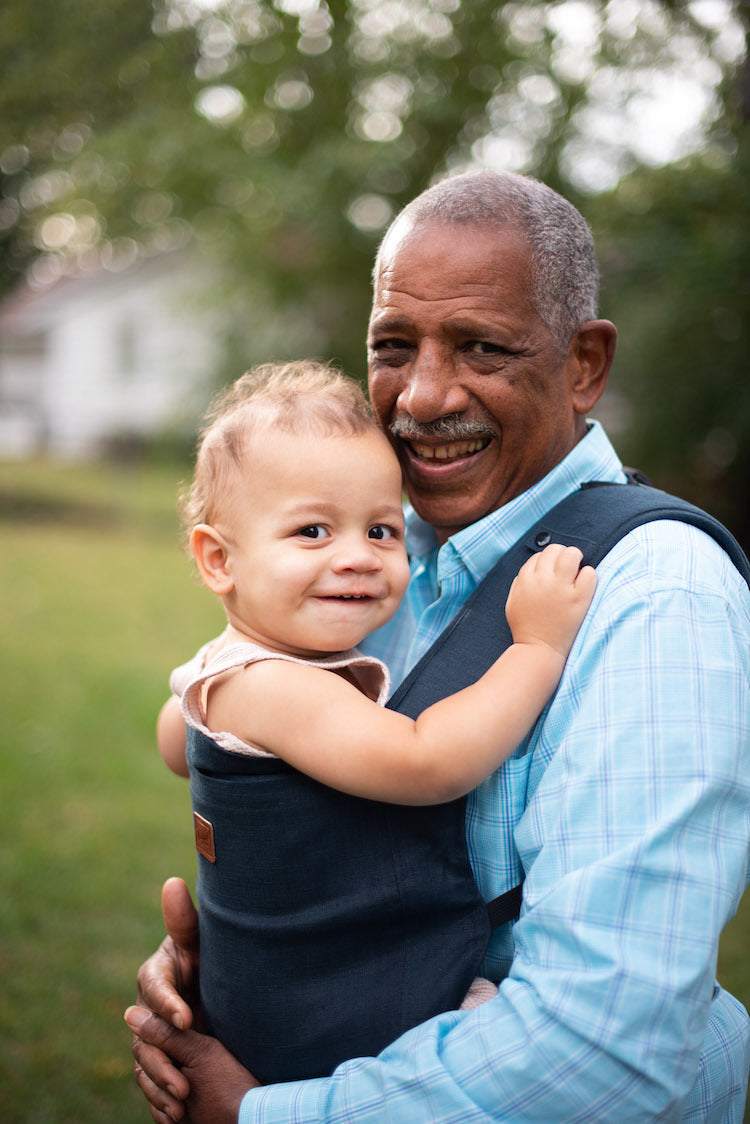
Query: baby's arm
point(323, 726)
point(171, 735)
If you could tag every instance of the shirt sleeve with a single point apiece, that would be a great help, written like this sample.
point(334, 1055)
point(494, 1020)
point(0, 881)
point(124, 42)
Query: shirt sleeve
point(634, 841)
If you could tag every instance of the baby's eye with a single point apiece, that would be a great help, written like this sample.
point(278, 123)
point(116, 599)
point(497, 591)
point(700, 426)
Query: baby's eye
point(313, 531)
point(380, 531)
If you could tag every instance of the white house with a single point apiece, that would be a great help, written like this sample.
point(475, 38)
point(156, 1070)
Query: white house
point(96, 357)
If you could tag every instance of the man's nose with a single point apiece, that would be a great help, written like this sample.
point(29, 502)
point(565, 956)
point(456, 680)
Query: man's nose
point(431, 386)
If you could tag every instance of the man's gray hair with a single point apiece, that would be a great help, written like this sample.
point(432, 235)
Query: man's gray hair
point(565, 274)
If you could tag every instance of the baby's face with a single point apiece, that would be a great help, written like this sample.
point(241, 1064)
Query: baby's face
point(316, 541)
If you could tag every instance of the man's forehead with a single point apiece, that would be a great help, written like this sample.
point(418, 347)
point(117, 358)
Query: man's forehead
point(397, 232)
point(423, 235)
point(444, 260)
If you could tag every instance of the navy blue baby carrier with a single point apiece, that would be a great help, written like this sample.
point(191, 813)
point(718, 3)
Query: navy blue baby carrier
point(331, 924)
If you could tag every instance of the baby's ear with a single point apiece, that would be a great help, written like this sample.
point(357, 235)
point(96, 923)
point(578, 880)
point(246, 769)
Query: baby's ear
point(212, 558)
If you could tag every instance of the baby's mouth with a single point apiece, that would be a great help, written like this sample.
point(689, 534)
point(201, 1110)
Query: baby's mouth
point(346, 596)
point(450, 451)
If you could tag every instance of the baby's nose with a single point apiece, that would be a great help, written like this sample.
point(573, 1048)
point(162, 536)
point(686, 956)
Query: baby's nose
point(359, 556)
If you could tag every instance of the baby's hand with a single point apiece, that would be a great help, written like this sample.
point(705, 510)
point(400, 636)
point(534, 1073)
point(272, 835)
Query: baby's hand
point(549, 598)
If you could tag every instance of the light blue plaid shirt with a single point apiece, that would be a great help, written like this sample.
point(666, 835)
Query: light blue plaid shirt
point(628, 811)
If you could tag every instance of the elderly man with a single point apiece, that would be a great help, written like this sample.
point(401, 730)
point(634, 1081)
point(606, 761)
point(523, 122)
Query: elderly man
point(626, 809)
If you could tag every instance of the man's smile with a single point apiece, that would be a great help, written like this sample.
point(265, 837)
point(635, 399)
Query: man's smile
point(443, 442)
point(447, 452)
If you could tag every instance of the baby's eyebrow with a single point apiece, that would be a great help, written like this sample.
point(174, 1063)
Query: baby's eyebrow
point(312, 505)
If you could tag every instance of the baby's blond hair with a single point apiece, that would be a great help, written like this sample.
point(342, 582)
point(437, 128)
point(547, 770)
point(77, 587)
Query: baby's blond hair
point(301, 397)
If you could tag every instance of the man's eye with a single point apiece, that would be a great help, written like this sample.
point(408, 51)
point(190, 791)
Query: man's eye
point(484, 347)
point(313, 531)
point(388, 346)
point(380, 532)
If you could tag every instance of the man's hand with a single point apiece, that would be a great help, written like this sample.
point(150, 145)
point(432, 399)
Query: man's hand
point(168, 980)
point(165, 981)
point(207, 1088)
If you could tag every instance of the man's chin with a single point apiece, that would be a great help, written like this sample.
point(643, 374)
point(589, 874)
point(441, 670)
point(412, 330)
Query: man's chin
point(448, 512)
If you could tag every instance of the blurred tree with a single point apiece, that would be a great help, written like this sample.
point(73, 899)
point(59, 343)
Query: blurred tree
point(675, 244)
point(276, 138)
point(69, 71)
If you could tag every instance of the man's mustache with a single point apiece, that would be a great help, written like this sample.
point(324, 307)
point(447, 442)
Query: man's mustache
point(450, 427)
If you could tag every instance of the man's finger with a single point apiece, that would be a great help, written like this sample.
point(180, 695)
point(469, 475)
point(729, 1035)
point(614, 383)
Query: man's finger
point(160, 979)
point(164, 1108)
point(179, 1045)
point(180, 915)
point(159, 1050)
point(158, 1072)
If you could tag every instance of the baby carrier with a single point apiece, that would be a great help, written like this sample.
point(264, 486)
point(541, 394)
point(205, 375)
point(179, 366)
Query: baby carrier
point(331, 924)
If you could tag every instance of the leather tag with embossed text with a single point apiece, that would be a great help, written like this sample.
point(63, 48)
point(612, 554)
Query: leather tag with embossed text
point(204, 838)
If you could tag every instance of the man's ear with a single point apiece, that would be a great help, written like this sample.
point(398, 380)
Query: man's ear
point(211, 556)
point(590, 357)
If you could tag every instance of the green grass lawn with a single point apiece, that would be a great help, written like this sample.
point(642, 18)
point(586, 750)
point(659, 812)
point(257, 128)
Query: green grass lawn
point(98, 605)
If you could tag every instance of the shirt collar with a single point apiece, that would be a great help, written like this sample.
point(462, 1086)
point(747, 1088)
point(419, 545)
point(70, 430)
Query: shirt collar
point(476, 548)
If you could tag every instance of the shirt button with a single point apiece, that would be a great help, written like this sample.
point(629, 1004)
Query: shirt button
point(543, 538)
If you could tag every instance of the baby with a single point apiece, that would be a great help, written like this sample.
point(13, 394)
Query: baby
point(337, 905)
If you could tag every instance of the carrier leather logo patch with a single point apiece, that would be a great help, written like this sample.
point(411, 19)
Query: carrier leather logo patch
point(204, 838)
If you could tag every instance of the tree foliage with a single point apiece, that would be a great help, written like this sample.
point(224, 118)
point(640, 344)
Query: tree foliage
point(678, 286)
point(675, 249)
point(277, 137)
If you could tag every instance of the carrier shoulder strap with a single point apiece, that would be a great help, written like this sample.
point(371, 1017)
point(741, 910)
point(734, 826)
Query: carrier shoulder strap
point(594, 518)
